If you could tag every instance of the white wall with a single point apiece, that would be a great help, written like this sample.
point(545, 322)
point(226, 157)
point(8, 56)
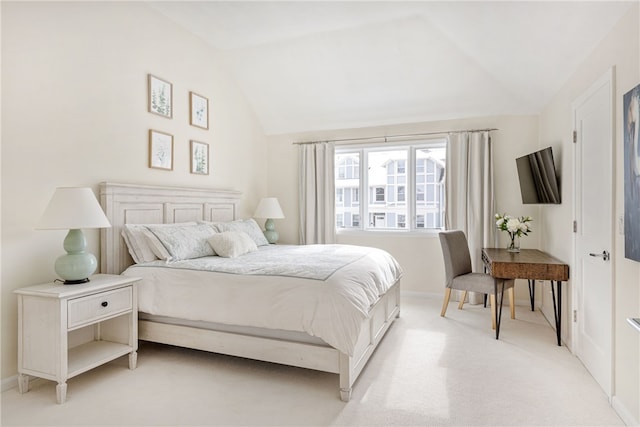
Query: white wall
point(420, 256)
point(74, 82)
point(621, 48)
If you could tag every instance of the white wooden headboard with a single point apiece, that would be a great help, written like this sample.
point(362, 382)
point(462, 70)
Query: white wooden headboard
point(145, 204)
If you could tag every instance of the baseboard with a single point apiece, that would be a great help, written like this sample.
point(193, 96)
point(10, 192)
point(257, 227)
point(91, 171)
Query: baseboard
point(421, 294)
point(9, 383)
point(12, 382)
point(623, 412)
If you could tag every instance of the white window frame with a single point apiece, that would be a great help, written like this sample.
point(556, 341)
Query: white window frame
point(410, 185)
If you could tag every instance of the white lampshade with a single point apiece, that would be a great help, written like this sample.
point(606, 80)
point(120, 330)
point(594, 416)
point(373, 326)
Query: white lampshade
point(269, 208)
point(72, 208)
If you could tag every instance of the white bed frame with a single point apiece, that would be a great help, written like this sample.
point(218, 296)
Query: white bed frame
point(143, 204)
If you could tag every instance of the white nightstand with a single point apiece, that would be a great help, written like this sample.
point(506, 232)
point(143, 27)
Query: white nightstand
point(65, 330)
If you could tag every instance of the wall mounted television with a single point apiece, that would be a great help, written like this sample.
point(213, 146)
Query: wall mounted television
point(539, 183)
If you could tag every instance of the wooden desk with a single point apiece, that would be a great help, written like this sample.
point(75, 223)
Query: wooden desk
point(532, 265)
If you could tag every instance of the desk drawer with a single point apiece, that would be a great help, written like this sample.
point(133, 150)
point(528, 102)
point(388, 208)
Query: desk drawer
point(92, 308)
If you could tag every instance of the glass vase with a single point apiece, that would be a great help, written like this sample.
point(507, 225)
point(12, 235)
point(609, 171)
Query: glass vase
point(514, 243)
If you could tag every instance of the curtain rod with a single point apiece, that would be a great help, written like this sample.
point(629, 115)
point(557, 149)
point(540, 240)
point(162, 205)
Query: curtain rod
point(386, 138)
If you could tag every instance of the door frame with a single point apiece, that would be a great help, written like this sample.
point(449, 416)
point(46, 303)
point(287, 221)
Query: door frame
point(607, 77)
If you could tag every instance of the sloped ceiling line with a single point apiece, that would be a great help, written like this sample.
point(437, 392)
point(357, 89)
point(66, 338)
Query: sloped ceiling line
point(321, 65)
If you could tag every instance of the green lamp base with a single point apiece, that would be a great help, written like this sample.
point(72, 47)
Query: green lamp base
point(270, 231)
point(77, 265)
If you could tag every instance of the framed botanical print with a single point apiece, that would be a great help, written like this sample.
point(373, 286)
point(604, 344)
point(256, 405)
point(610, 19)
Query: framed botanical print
point(160, 97)
point(160, 150)
point(199, 107)
point(199, 158)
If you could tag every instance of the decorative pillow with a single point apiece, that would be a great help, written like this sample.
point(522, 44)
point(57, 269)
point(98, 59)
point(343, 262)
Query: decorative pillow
point(132, 250)
point(230, 244)
point(156, 245)
point(249, 226)
point(183, 241)
point(135, 236)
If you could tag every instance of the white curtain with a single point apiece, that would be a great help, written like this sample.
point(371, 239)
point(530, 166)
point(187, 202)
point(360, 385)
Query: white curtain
point(317, 193)
point(470, 204)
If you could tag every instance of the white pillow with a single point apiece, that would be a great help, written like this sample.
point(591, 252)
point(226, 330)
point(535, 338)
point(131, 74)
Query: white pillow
point(249, 226)
point(183, 241)
point(155, 245)
point(230, 244)
point(138, 243)
point(130, 248)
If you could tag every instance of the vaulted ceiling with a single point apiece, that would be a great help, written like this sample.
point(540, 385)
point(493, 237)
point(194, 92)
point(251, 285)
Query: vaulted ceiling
point(308, 66)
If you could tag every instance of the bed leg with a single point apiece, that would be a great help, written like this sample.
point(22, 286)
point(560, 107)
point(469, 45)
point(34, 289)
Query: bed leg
point(345, 394)
point(346, 380)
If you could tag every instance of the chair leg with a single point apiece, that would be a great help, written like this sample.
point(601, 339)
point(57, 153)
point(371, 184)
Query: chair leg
point(512, 302)
point(464, 297)
point(445, 304)
point(492, 300)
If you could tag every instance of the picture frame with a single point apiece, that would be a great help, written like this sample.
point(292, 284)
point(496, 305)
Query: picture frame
point(160, 96)
point(198, 110)
point(631, 150)
point(160, 150)
point(199, 158)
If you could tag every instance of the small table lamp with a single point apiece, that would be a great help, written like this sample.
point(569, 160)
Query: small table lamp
point(74, 208)
point(269, 208)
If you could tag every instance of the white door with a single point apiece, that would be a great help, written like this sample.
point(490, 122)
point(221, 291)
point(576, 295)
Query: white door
point(592, 275)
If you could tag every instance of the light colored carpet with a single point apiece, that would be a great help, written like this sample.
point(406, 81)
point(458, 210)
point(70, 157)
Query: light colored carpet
point(427, 371)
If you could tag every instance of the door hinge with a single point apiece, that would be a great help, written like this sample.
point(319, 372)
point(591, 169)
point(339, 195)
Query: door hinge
point(575, 226)
point(575, 136)
point(575, 316)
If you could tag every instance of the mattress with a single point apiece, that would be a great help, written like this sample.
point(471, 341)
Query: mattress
point(331, 305)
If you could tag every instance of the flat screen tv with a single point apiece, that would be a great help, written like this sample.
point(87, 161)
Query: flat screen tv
point(539, 182)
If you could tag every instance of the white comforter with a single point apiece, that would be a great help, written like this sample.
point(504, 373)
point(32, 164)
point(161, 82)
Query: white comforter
point(331, 306)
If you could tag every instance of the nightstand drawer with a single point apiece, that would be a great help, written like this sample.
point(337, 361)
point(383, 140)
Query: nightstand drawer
point(98, 306)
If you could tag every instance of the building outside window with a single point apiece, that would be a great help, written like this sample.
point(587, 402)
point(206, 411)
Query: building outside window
point(347, 167)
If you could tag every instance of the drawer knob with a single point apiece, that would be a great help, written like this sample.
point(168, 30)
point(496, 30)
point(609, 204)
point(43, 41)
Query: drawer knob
point(104, 303)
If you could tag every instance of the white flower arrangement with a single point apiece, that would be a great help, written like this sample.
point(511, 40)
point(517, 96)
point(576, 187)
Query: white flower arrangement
point(513, 225)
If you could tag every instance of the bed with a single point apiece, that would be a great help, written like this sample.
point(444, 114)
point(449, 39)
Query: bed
point(328, 338)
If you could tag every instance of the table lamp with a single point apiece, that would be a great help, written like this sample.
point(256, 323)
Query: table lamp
point(74, 208)
point(269, 208)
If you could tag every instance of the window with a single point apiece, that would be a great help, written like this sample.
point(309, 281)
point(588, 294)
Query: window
point(401, 167)
point(379, 194)
point(397, 187)
point(347, 166)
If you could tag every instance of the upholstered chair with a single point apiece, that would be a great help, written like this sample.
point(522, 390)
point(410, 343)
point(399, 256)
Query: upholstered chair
point(459, 276)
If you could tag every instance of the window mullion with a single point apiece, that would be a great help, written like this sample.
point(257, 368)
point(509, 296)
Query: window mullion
point(364, 190)
point(411, 183)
